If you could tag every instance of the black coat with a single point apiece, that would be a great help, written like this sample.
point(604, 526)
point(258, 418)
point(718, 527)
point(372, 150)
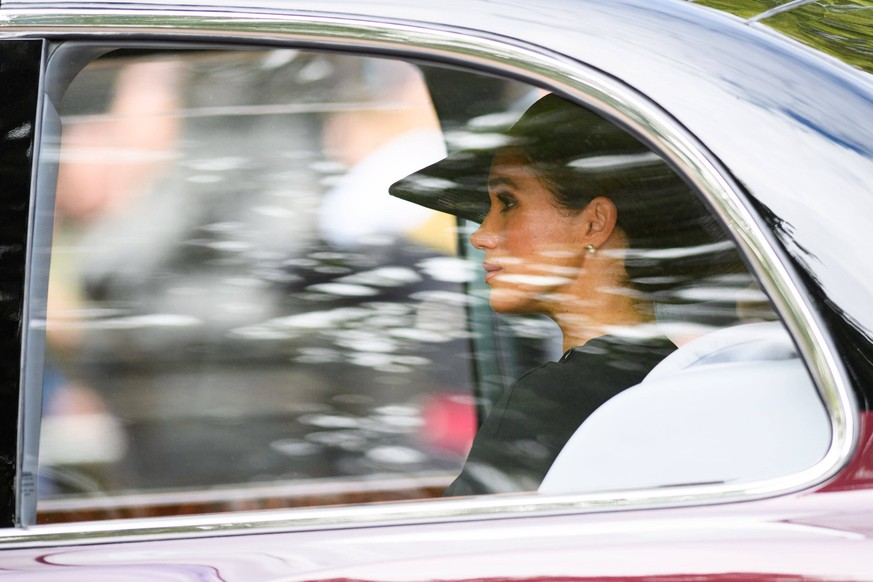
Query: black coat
point(532, 421)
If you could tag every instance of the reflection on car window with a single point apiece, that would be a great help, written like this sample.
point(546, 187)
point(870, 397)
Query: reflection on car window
point(234, 299)
point(240, 316)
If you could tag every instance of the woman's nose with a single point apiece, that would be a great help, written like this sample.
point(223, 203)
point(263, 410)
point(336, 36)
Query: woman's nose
point(483, 238)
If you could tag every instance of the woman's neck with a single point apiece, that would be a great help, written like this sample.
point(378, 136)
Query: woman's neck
point(598, 303)
point(578, 327)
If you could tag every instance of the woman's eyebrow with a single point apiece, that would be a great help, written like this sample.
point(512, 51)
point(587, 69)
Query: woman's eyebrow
point(501, 180)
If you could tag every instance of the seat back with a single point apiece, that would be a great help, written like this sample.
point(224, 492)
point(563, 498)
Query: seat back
point(732, 406)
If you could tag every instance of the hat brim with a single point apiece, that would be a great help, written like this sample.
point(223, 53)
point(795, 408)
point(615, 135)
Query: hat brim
point(457, 184)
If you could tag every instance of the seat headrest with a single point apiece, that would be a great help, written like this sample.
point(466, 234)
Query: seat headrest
point(751, 342)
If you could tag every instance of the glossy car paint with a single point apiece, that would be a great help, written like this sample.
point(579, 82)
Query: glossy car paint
point(748, 95)
point(825, 536)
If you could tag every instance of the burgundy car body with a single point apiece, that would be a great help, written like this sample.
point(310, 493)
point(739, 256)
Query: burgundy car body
point(733, 91)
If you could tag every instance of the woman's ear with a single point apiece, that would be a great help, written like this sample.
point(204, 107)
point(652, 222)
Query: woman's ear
point(599, 220)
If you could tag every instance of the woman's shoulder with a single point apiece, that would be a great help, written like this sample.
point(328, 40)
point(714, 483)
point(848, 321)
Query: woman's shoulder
point(612, 362)
point(607, 364)
point(616, 346)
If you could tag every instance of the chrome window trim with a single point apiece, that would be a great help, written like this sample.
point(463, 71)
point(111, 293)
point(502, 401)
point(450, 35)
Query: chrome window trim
point(33, 338)
point(534, 64)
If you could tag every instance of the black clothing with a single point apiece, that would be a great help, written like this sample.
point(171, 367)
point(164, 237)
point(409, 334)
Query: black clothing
point(520, 439)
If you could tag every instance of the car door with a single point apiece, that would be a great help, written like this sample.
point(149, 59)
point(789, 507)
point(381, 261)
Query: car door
point(230, 326)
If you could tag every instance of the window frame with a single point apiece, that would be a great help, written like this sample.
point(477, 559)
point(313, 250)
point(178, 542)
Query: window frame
point(18, 138)
point(596, 90)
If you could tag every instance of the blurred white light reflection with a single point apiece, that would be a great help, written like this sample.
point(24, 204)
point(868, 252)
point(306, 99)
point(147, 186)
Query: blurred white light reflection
point(330, 421)
point(132, 322)
point(383, 277)
point(295, 448)
point(364, 341)
point(395, 455)
point(448, 269)
point(343, 289)
point(420, 335)
point(322, 319)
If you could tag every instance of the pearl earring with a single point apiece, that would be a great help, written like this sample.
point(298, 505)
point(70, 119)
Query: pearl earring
point(592, 249)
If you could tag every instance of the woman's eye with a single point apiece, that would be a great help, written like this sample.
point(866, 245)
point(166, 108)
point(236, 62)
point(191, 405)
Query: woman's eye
point(507, 201)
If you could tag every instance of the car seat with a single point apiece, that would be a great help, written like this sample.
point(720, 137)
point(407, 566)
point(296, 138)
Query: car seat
point(732, 406)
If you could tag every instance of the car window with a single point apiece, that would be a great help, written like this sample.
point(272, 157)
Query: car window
point(239, 314)
point(233, 300)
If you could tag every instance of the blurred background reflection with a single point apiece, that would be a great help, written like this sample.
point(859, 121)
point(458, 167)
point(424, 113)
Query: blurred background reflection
point(233, 296)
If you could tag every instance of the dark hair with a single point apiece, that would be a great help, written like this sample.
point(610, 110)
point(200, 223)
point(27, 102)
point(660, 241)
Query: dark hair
point(578, 155)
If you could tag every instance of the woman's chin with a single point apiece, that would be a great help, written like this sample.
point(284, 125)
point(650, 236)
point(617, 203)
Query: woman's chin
point(510, 302)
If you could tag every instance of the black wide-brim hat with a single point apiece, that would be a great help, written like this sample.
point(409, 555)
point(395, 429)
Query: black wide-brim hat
point(553, 131)
point(457, 184)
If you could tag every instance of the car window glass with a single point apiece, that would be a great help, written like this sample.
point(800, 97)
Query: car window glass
point(240, 316)
point(232, 299)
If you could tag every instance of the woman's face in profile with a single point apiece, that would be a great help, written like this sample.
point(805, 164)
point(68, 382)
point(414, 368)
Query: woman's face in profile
point(534, 249)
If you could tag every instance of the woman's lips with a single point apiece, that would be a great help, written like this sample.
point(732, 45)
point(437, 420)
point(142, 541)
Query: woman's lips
point(491, 270)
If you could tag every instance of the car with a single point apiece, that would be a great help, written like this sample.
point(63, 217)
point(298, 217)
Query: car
point(249, 336)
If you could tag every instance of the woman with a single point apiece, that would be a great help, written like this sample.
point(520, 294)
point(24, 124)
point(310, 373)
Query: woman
point(576, 220)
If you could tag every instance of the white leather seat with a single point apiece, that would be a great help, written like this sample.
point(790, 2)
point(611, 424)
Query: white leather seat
point(732, 406)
